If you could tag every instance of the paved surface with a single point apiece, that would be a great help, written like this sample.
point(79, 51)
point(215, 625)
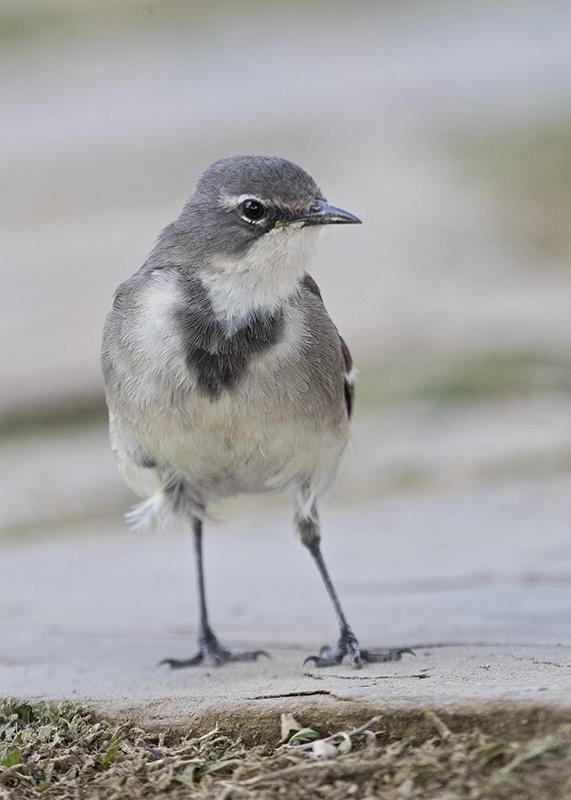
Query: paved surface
point(449, 530)
point(479, 583)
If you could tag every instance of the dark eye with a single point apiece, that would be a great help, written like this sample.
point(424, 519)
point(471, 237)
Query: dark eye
point(253, 210)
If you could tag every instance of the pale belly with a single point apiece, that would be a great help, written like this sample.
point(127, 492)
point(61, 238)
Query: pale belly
point(229, 447)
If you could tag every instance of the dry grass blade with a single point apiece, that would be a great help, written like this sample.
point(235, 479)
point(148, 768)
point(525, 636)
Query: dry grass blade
point(339, 735)
point(11, 772)
point(335, 768)
point(443, 730)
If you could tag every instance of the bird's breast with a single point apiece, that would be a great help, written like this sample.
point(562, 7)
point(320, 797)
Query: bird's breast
point(277, 422)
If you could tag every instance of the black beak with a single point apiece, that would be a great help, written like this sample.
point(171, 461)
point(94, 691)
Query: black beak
point(321, 213)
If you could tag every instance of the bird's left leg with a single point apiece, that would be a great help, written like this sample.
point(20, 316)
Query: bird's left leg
point(209, 648)
point(347, 644)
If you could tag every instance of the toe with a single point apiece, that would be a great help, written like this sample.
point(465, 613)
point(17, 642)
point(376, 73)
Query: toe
point(394, 654)
point(180, 663)
point(328, 657)
point(257, 653)
point(356, 660)
point(248, 655)
point(320, 662)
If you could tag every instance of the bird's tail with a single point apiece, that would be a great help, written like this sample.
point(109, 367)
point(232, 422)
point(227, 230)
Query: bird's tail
point(163, 509)
point(155, 512)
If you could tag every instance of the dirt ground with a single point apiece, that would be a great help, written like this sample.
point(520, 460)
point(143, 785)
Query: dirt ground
point(67, 751)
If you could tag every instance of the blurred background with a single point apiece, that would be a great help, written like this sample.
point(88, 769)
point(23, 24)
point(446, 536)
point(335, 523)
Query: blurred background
point(445, 126)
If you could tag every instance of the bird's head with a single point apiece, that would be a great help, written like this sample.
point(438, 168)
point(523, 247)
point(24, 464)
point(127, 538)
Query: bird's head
point(255, 219)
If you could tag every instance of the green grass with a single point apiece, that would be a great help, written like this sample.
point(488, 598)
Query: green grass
point(529, 172)
point(65, 416)
point(463, 378)
point(26, 21)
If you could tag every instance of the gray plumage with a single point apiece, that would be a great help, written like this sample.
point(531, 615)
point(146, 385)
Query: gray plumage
point(177, 373)
point(223, 370)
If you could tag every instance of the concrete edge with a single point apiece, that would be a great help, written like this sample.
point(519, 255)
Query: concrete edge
point(258, 722)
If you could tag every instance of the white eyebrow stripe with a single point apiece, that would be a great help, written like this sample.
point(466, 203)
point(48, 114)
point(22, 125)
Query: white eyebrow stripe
point(230, 201)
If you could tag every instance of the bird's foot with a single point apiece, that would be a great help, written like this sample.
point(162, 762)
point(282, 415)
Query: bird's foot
point(210, 651)
point(348, 645)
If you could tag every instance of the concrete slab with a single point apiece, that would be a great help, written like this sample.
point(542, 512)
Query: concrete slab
point(477, 582)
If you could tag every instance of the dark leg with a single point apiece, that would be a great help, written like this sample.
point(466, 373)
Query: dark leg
point(209, 648)
point(347, 643)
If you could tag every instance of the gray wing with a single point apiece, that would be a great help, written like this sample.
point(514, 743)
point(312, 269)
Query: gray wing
point(348, 380)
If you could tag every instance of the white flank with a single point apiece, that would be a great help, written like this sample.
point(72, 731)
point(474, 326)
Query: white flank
point(351, 377)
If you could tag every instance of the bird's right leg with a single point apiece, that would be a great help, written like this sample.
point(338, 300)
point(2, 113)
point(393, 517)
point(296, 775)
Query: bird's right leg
point(347, 644)
point(209, 648)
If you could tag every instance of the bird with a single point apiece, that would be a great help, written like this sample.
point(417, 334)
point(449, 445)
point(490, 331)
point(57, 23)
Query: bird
point(225, 375)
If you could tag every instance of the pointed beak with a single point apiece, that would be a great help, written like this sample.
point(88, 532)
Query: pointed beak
point(321, 213)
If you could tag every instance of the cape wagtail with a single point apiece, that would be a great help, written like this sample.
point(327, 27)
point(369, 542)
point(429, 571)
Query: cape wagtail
point(224, 373)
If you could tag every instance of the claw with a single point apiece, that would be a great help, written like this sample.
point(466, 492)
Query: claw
point(348, 645)
point(248, 655)
point(211, 650)
point(263, 653)
point(327, 657)
point(356, 661)
point(179, 663)
point(321, 662)
point(394, 654)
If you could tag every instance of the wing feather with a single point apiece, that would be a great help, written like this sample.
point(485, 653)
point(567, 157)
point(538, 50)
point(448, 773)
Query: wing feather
point(349, 373)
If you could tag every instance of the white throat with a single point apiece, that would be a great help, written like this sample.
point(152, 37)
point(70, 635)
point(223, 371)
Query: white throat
point(262, 279)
